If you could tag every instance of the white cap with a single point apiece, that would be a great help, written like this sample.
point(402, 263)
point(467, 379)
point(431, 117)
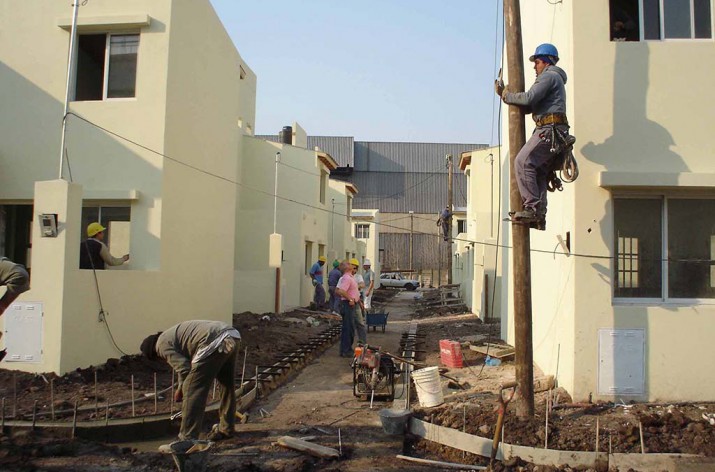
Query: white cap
point(366, 262)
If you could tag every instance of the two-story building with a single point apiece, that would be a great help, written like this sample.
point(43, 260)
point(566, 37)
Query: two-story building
point(622, 278)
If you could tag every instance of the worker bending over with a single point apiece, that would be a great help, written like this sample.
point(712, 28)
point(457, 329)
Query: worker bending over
point(200, 351)
point(546, 101)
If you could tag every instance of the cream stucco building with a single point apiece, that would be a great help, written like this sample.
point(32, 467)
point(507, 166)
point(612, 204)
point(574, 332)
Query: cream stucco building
point(622, 278)
point(160, 147)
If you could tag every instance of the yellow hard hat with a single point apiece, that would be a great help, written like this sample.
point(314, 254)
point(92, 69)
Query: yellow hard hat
point(354, 262)
point(322, 259)
point(94, 228)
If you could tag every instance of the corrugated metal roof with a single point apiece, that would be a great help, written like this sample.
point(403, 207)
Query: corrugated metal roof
point(394, 192)
point(340, 148)
point(372, 156)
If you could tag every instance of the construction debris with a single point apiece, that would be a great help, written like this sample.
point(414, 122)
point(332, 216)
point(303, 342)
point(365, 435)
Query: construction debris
point(309, 448)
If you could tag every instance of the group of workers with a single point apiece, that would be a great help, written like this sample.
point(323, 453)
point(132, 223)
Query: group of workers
point(201, 350)
point(350, 297)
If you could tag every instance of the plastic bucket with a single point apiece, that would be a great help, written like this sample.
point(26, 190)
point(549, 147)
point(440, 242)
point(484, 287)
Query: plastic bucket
point(191, 456)
point(429, 389)
point(394, 421)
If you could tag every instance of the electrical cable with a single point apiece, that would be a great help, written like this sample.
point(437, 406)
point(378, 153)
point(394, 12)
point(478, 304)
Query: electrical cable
point(325, 210)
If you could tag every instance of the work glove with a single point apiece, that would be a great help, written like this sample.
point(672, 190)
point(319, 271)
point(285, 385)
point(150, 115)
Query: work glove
point(315, 282)
point(178, 395)
point(499, 87)
point(227, 345)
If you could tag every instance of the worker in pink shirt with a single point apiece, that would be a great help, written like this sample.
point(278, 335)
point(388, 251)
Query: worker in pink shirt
point(349, 294)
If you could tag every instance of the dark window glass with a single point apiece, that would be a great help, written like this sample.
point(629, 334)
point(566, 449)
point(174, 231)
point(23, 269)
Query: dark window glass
point(676, 16)
point(121, 81)
point(651, 19)
point(691, 242)
point(104, 215)
point(90, 66)
point(624, 20)
point(703, 19)
point(639, 243)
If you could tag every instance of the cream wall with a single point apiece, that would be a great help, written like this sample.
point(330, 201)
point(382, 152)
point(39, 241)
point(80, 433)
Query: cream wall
point(632, 114)
point(301, 218)
point(188, 103)
point(478, 250)
point(372, 244)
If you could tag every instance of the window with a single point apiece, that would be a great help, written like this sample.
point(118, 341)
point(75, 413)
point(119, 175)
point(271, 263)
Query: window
point(664, 248)
point(323, 185)
point(106, 66)
point(633, 20)
point(105, 215)
point(321, 250)
point(308, 256)
point(362, 231)
point(461, 226)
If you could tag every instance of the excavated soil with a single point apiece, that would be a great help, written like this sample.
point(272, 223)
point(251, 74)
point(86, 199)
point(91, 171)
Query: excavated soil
point(264, 337)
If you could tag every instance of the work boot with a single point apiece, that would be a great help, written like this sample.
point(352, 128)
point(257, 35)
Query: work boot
point(3, 353)
point(539, 225)
point(217, 435)
point(527, 215)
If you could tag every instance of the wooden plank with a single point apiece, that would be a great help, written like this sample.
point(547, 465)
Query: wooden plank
point(310, 448)
point(660, 462)
point(453, 438)
point(493, 352)
point(440, 464)
point(553, 457)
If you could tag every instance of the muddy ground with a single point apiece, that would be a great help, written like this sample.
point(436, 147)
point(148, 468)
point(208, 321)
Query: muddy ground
point(318, 402)
point(263, 337)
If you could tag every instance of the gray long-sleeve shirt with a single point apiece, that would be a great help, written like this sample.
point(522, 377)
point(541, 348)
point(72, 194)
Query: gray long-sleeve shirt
point(547, 95)
point(178, 344)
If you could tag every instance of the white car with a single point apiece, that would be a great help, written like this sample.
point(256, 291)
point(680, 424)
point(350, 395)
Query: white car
point(396, 280)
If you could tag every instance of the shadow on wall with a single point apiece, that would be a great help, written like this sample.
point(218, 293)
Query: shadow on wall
point(630, 125)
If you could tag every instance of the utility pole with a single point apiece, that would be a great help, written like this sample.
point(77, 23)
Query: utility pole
point(521, 266)
point(450, 201)
point(412, 232)
point(71, 55)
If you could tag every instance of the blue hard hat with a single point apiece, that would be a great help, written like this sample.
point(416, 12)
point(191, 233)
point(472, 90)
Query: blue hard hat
point(546, 49)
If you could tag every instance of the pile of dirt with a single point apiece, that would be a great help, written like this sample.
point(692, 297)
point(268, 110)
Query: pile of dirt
point(263, 336)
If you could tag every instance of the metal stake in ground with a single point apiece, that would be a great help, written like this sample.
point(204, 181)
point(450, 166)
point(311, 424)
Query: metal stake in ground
point(74, 420)
point(34, 414)
point(171, 397)
point(156, 396)
point(52, 399)
point(96, 396)
point(133, 409)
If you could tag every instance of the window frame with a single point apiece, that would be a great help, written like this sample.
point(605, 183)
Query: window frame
point(661, 19)
point(664, 299)
point(105, 72)
point(361, 228)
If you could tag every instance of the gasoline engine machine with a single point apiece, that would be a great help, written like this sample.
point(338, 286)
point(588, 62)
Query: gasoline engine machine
point(373, 374)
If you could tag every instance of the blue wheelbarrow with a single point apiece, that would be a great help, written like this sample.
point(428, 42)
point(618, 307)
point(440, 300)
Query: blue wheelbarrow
point(376, 320)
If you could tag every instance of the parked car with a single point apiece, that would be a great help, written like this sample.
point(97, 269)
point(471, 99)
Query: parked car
point(397, 280)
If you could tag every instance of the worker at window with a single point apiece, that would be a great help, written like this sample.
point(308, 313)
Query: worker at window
point(15, 279)
point(199, 351)
point(445, 220)
point(94, 254)
point(546, 101)
point(316, 276)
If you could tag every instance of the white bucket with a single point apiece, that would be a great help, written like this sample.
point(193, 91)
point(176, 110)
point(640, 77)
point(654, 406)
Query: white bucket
point(429, 389)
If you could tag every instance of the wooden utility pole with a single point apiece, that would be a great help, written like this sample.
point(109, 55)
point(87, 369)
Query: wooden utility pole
point(450, 201)
point(412, 233)
point(524, 355)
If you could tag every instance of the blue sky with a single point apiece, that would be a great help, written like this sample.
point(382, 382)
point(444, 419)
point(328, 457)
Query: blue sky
point(390, 70)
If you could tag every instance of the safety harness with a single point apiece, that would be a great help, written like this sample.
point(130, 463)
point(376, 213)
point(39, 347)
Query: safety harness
point(561, 145)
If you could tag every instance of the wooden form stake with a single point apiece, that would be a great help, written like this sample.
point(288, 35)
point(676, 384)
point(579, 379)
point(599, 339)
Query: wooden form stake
point(213, 394)
point(14, 395)
point(74, 420)
point(243, 371)
point(134, 413)
point(96, 396)
point(34, 414)
point(640, 429)
point(156, 397)
point(52, 399)
point(597, 428)
point(546, 427)
point(524, 355)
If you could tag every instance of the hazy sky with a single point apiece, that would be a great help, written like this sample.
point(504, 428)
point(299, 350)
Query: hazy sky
point(389, 70)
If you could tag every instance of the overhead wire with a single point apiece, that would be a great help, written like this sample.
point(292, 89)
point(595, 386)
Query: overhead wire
point(327, 210)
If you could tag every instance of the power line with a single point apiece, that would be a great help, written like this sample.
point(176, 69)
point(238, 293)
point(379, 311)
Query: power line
point(326, 210)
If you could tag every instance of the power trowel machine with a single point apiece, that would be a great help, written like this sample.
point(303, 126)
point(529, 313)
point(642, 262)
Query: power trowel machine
point(373, 374)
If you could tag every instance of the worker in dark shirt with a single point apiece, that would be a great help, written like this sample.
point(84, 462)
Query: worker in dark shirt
point(94, 254)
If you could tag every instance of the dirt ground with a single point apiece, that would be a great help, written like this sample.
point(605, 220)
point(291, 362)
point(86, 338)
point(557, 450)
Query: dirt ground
point(319, 402)
point(263, 337)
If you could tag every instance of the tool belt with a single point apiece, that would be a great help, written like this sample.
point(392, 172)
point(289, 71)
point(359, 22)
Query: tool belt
point(551, 119)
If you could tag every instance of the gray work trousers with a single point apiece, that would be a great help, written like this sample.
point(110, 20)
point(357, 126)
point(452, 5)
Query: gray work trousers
point(196, 387)
point(532, 166)
point(360, 326)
